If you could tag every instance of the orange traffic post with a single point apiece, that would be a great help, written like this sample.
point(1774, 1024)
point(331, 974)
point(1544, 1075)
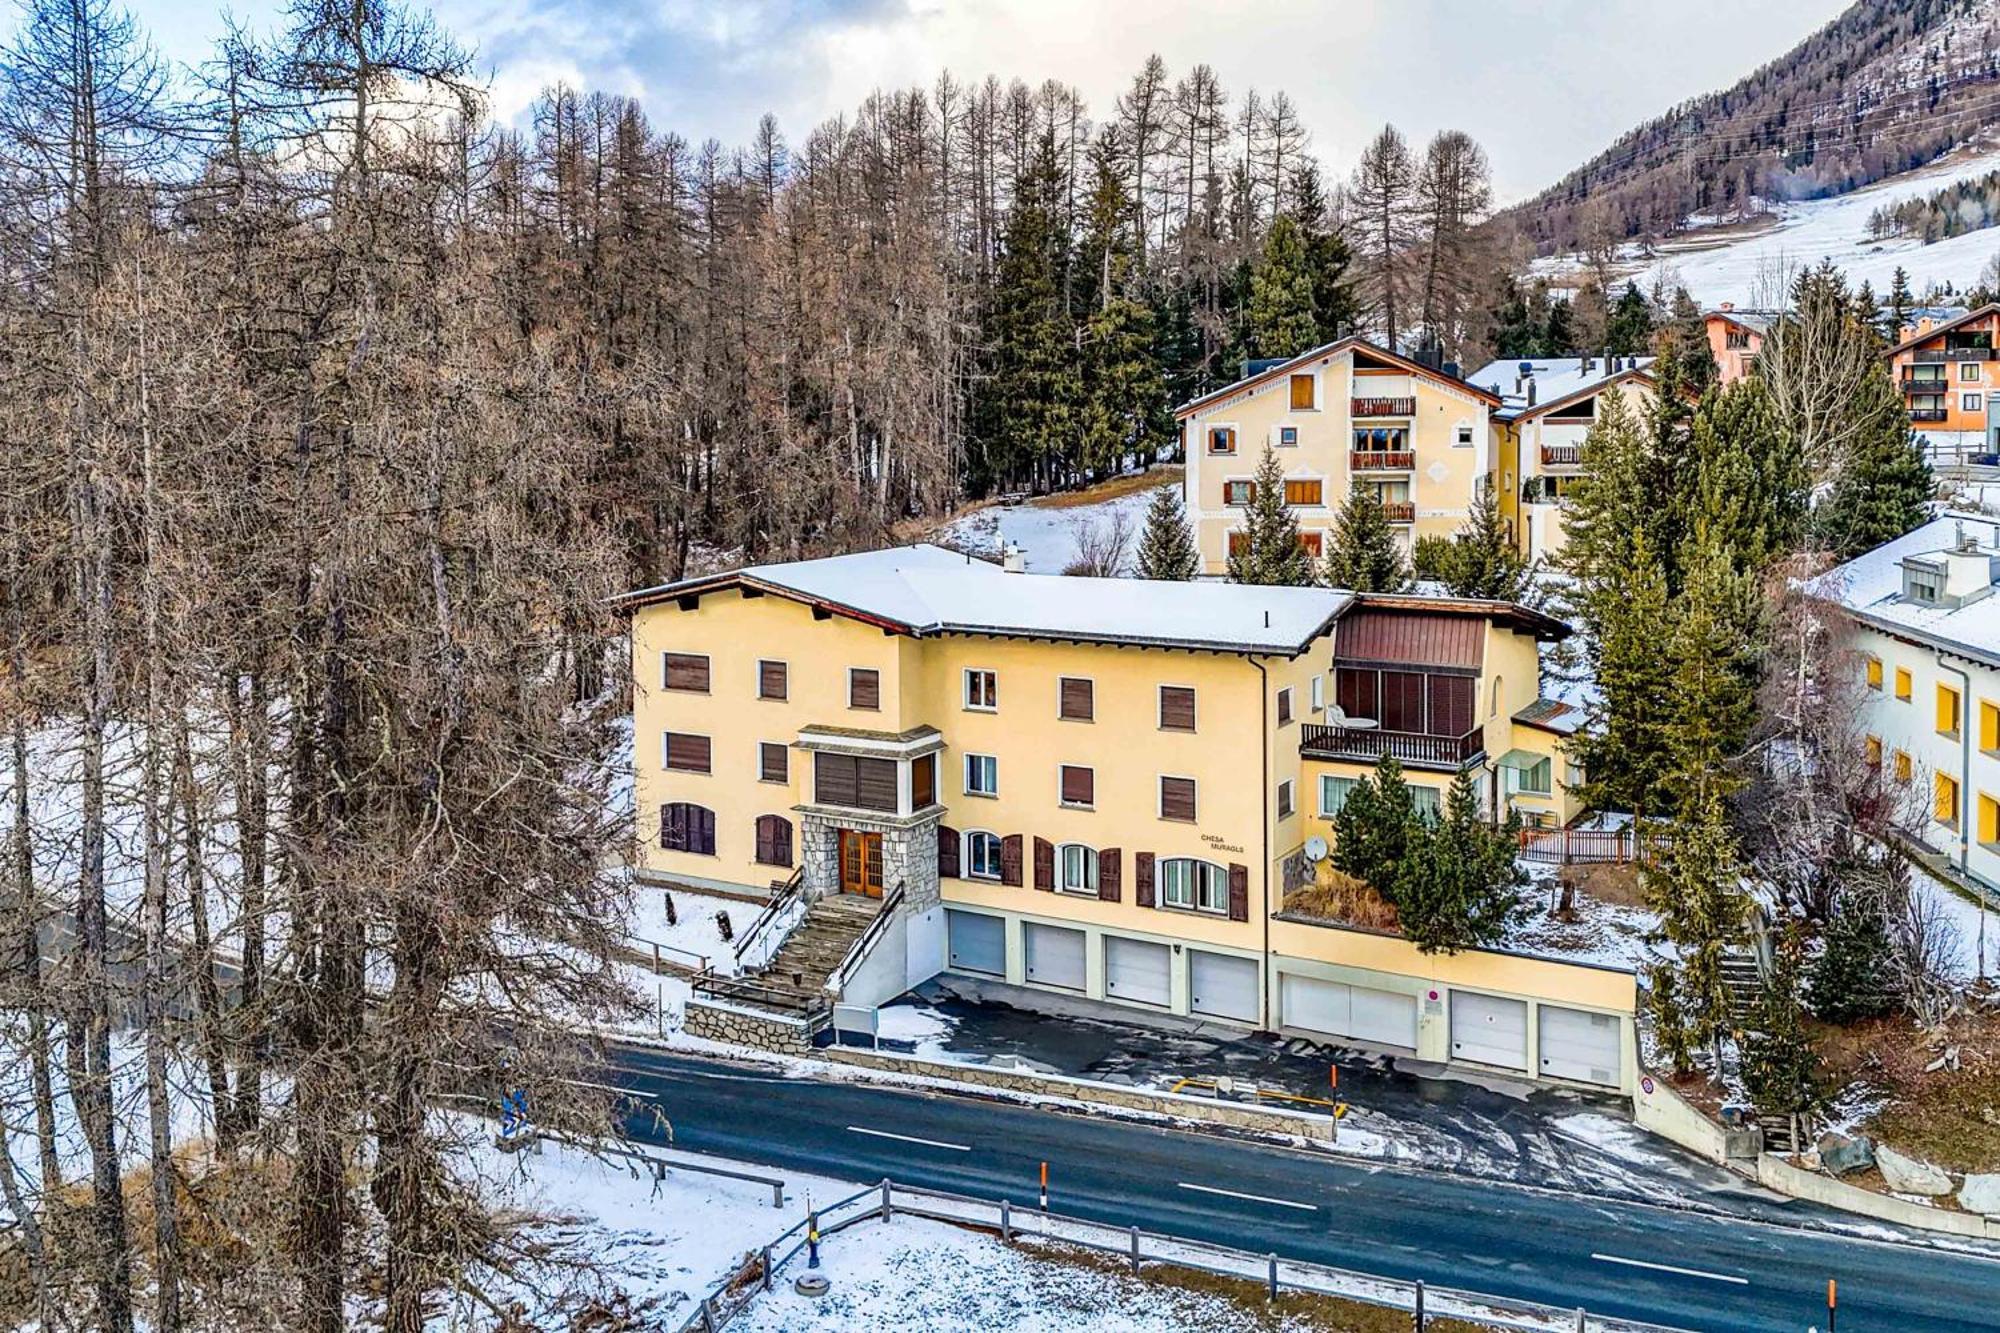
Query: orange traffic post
point(1831, 1293)
point(1045, 1187)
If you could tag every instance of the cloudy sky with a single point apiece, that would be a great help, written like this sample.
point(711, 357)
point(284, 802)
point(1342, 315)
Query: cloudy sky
point(1542, 83)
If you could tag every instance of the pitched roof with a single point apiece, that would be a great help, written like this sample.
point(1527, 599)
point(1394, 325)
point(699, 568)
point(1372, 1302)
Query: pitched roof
point(1757, 321)
point(1559, 380)
point(1271, 373)
point(926, 590)
point(1870, 587)
point(1935, 330)
point(1553, 715)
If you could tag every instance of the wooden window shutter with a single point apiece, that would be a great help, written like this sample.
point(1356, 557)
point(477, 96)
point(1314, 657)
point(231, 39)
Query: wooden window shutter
point(1010, 860)
point(673, 833)
point(875, 784)
point(1285, 706)
point(923, 781)
point(1302, 392)
point(1142, 878)
point(702, 838)
point(1177, 798)
point(774, 840)
point(864, 688)
point(773, 680)
point(1077, 700)
point(1045, 865)
point(773, 762)
point(1110, 874)
point(1239, 892)
point(1450, 705)
point(834, 781)
point(947, 860)
point(1176, 708)
point(687, 671)
point(687, 753)
point(1079, 785)
point(687, 828)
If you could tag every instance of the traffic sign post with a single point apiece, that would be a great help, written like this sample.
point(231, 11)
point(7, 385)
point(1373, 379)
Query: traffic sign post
point(1831, 1301)
point(1045, 1187)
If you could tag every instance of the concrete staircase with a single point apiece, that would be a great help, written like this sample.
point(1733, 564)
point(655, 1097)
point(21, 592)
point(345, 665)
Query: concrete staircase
point(797, 973)
point(1745, 983)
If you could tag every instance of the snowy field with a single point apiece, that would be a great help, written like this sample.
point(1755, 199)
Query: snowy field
point(1046, 533)
point(1742, 268)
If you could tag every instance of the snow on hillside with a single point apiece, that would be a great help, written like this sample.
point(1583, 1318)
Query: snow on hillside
point(1047, 532)
point(1741, 267)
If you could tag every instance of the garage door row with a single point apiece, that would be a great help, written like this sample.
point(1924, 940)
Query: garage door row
point(1573, 1044)
point(1135, 971)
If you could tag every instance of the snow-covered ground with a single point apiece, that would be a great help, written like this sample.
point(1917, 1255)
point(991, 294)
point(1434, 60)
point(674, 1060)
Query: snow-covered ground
point(1968, 926)
point(1742, 267)
point(1046, 533)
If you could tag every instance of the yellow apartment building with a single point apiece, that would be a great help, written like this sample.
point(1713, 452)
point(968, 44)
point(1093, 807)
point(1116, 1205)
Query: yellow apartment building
point(1103, 788)
point(1548, 406)
point(1417, 434)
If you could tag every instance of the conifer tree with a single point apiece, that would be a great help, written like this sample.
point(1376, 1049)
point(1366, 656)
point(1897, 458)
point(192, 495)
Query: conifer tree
point(1336, 308)
point(1166, 545)
point(1781, 1065)
point(1457, 883)
point(1624, 753)
point(1361, 553)
point(1670, 1022)
point(1282, 322)
point(1850, 980)
point(1902, 305)
point(1376, 826)
point(1710, 650)
point(1884, 484)
point(1267, 549)
point(1483, 560)
point(1123, 412)
point(1749, 479)
point(1029, 414)
point(1684, 340)
point(1629, 330)
point(1693, 883)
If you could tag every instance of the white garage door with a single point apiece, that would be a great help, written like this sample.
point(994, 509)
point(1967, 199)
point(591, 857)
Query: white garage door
point(1055, 955)
point(1579, 1045)
point(1136, 970)
point(976, 943)
point(1489, 1029)
point(1378, 1017)
point(1223, 986)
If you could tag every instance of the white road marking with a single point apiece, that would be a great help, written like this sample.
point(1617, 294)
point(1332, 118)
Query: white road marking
point(1669, 1268)
point(1253, 1198)
point(905, 1138)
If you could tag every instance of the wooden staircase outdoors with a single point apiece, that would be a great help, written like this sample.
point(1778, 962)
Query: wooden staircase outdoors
point(1746, 990)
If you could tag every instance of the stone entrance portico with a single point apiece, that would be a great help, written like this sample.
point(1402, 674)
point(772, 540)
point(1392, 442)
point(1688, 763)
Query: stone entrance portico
point(909, 850)
point(905, 817)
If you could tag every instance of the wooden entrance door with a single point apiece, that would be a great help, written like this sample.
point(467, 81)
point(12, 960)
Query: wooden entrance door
point(860, 862)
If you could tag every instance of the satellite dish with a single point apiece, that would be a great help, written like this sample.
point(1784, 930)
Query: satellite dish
point(1315, 849)
point(1336, 717)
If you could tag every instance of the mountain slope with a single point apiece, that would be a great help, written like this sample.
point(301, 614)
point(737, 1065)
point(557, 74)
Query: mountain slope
point(1887, 86)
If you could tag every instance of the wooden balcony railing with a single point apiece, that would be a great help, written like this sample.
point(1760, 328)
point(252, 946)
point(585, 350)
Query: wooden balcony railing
point(1319, 741)
point(1561, 455)
point(1381, 460)
point(1399, 511)
point(1383, 407)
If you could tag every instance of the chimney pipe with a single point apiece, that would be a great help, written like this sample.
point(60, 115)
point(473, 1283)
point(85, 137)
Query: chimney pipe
point(1531, 391)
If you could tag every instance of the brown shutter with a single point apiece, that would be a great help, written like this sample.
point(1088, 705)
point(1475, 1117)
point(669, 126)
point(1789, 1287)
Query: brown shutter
point(923, 782)
point(1110, 874)
point(947, 860)
point(773, 762)
point(864, 688)
point(1239, 892)
point(1079, 785)
point(774, 840)
point(1177, 798)
point(704, 830)
point(1403, 701)
point(1045, 864)
point(1356, 690)
point(773, 681)
point(1285, 706)
point(687, 671)
point(875, 783)
point(1142, 878)
point(686, 753)
point(834, 780)
point(1077, 699)
point(1176, 708)
point(1451, 705)
point(1010, 860)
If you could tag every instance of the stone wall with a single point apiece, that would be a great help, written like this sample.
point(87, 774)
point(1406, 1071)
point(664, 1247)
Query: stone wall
point(746, 1027)
point(909, 854)
point(1084, 1093)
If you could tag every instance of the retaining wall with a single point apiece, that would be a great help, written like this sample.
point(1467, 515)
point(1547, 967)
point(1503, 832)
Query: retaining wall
point(718, 1021)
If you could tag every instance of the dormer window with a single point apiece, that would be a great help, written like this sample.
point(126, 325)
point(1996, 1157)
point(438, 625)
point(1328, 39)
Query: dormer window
point(1922, 583)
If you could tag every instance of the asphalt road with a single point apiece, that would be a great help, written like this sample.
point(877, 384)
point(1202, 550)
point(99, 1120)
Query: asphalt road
point(1688, 1269)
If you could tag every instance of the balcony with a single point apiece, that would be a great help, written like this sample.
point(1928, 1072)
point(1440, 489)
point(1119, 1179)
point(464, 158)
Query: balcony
point(1927, 415)
point(1382, 407)
point(1924, 383)
point(1562, 455)
point(1381, 460)
point(1399, 511)
point(1415, 748)
point(1968, 353)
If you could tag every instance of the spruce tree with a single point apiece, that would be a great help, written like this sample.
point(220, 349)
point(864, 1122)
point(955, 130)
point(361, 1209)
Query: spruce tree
point(1624, 752)
point(1267, 549)
point(1685, 341)
point(1336, 308)
point(1710, 650)
point(1457, 883)
point(1029, 414)
point(1123, 414)
point(1485, 561)
point(1902, 306)
point(1884, 484)
point(1282, 322)
point(1781, 1065)
point(1167, 547)
point(1851, 980)
point(1693, 883)
point(1361, 553)
point(1749, 479)
point(1376, 826)
point(1629, 329)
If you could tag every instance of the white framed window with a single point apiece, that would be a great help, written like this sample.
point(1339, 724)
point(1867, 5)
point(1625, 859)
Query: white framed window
point(1463, 439)
point(1968, 402)
point(982, 775)
point(1076, 868)
point(1194, 886)
point(982, 690)
point(982, 855)
point(1288, 437)
point(1536, 781)
point(1429, 801)
point(1968, 372)
point(1319, 694)
point(1333, 794)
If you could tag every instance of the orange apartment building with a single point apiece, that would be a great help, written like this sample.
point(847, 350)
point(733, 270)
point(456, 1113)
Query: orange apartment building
point(1735, 337)
point(1945, 369)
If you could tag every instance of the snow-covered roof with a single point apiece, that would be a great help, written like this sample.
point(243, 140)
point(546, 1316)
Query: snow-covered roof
point(1557, 379)
point(926, 590)
point(1757, 321)
point(1870, 586)
point(1270, 370)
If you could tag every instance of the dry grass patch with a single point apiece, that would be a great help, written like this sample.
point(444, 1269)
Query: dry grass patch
point(1947, 1116)
point(1112, 488)
point(1343, 899)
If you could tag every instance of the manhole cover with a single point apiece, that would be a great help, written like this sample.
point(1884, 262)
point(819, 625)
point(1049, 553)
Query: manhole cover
point(810, 1284)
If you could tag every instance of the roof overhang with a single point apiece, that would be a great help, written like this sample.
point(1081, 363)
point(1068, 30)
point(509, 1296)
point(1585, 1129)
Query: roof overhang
point(1251, 383)
point(1508, 615)
point(1939, 330)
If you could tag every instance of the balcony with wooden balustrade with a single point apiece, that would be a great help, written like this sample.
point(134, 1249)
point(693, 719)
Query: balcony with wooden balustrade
point(1415, 749)
point(1382, 407)
point(1381, 460)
